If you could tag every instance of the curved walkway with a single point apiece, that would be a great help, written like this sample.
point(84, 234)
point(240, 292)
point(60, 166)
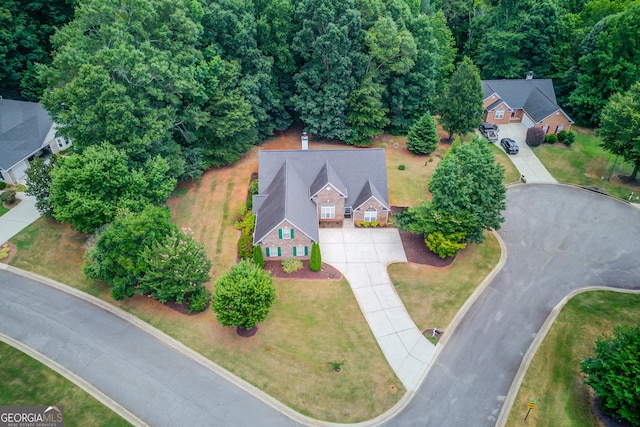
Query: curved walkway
point(362, 255)
point(559, 239)
point(19, 217)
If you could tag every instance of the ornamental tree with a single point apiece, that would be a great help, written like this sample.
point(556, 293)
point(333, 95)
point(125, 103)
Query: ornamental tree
point(243, 295)
point(175, 267)
point(39, 183)
point(614, 373)
point(315, 261)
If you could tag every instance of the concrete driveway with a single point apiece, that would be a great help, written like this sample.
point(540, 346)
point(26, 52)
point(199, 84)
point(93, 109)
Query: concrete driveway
point(18, 218)
point(525, 161)
point(559, 239)
point(362, 255)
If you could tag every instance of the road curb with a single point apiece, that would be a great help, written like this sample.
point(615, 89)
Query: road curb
point(170, 342)
point(540, 336)
point(77, 380)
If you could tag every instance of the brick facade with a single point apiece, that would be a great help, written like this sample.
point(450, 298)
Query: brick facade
point(489, 116)
point(554, 121)
point(383, 215)
point(273, 240)
point(330, 195)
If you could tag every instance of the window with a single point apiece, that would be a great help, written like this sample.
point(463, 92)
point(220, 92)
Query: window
point(300, 251)
point(285, 233)
point(328, 211)
point(559, 129)
point(371, 214)
point(499, 113)
point(272, 251)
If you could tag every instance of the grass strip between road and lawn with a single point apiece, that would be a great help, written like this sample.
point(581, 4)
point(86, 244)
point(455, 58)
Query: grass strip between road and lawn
point(27, 382)
point(553, 378)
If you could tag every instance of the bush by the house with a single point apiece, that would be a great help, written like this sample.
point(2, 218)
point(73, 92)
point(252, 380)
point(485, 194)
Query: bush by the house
point(246, 225)
point(535, 137)
point(3, 185)
point(8, 197)
point(552, 138)
point(562, 136)
point(253, 190)
point(315, 262)
point(290, 265)
point(258, 257)
point(570, 138)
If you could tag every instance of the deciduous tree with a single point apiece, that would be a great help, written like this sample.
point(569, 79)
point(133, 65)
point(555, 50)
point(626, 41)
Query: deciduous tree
point(39, 183)
point(614, 373)
point(243, 295)
point(620, 126)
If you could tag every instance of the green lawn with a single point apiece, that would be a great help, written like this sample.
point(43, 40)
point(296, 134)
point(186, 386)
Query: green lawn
point(511, 174)
point(432, 295)
point(3, 210)
point(587, 163)
point(554, 378)
point(27, 382)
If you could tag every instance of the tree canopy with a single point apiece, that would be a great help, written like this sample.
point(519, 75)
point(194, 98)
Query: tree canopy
point(243, 295)
point(614, 373)
point(620, 126)
point(461, 108)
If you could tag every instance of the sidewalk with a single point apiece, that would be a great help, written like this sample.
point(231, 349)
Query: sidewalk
point(362, 255)
point(18, 218)
point(525, 161)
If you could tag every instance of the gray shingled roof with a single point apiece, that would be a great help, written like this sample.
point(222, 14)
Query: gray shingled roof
point(23, 129)
point(369, 190)
point(535, 96)
point(286, 178)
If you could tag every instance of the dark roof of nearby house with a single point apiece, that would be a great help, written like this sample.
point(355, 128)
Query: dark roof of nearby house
point(289, 178)
point(535, 96)
point(23, 129)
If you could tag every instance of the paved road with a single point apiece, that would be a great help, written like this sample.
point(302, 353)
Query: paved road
point(157, 384)
point(558, 239)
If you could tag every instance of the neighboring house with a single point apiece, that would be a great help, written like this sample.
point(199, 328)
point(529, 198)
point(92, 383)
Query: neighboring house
point(299, 189)
point(26, 131)
point(529, 101)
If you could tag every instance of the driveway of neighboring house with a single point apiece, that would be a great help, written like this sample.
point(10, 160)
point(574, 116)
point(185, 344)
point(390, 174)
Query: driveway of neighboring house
point(525, 161)
point(362, 255)
point(18, 218)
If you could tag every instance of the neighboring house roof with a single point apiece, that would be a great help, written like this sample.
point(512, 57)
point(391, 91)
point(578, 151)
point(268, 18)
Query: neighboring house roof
point(535, 96)
point(288, 179)
point(23, 129)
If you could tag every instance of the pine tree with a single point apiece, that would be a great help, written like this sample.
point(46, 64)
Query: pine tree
point(461, 110)
point(423, 137)
point(315, 263)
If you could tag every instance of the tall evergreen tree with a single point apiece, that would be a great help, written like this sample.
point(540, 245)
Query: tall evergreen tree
point(423, 137)
point(461, 109)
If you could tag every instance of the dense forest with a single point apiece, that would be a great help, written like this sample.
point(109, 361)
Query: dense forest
point(198, 82)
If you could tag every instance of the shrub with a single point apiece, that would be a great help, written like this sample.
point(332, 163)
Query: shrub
point(570, 138)
point(290, 265)
point(358, 223)
point(366, 224)
point(562, 136)
point(258, 258)
point(198, 300)
point(4, 251)
point(315, 263)
point(445, 246)
point(8, 197)
point(253, 190)
point(401, 167)
point(374, 224)
point(535, 137)
point(245, 246)
point(3, 185)
point(552, 138)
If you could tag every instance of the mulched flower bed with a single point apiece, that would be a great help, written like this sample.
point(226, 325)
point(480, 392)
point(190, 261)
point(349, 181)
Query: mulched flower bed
point(418, 253)
point(12, 252)
point(327, 271)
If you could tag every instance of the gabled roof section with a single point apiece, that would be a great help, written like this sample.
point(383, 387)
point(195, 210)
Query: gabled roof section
point(327, 175)
point(535, 96)
point(368, 191)
point(23, 129)
point(286, 198)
